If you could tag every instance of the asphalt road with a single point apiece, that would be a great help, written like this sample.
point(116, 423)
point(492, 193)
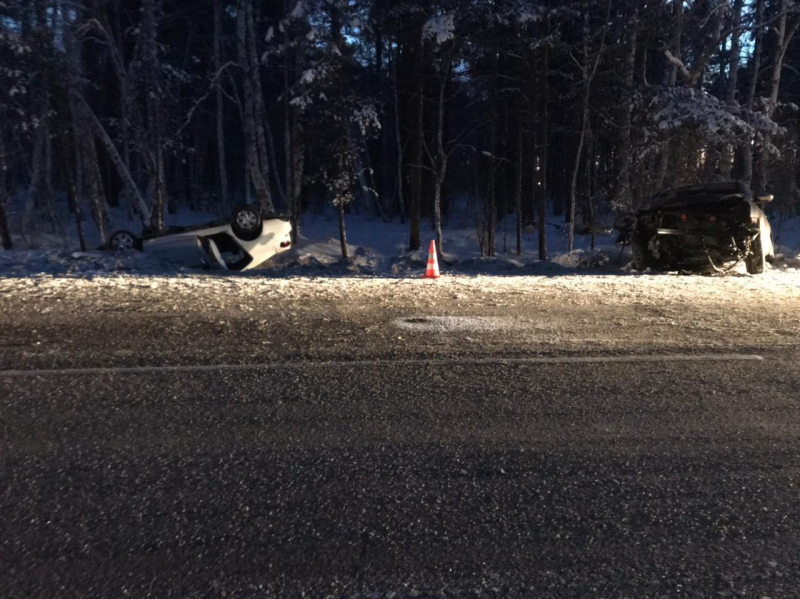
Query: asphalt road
point(361, 472)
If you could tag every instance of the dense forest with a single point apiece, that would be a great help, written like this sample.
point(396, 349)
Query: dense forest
point(505, 110)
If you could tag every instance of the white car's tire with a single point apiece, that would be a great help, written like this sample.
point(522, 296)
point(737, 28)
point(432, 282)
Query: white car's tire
point(123, 241)
point(246, 222)
point(641, 256)
point(756, 262)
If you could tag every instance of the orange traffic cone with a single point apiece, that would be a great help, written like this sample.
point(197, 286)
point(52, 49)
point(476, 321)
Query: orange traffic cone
point(433, 263)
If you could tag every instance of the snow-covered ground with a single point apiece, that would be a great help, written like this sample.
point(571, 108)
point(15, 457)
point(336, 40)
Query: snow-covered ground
point(379, 247)
point(313, 316)
point(375, 248)
point(574, 301)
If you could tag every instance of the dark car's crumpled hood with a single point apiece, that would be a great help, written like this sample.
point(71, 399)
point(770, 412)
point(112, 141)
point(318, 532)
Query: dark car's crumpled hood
point(696, 196)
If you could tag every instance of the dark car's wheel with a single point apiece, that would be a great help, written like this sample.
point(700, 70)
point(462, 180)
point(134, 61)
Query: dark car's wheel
point(756, 262)
point(246, 222)
point(123, 241)
point(641, 256)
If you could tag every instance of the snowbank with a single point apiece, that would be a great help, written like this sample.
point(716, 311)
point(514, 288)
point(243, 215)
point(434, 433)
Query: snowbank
point(19, 263)
point(583, 259)
point(375, 248)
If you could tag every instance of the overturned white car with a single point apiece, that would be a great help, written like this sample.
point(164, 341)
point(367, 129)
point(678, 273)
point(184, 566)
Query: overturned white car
point(243, 242)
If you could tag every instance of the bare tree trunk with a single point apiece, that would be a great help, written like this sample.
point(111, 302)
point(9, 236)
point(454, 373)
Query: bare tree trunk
point(179, 181)
point(491, 204)
point(590, 183)
point(437, 208)
point(66, 158)
point(575, 170)
point(112, 37)
point(672, 77)
point(5, 234)
point(584, 125)
point(416, 173)
point(97, 199)
point(440, 163)
point(223, 171)
point(259, 112)
point(288, 151)
point(502, 164)
point(257, 175)
point(784, 37)
point(49, 193)
point(154, 144)
point(159, 193)
point(543, 153)
point(82, 114)
point(365, 191)
point(248, 169)
point(587, 75)
point(86, 115)
point(624, 196)
point(373, 186)
point(298, 172)
point(133, 200)
point(273, 164)
point(726, 159)
point(401, 207)
point(36, 176)
point(492, 198)
point(287, 137)
point(518, 182)
point(746, 148)
point(342, 232)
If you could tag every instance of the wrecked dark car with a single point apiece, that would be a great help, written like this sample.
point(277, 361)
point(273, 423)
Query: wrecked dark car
point(708, 228)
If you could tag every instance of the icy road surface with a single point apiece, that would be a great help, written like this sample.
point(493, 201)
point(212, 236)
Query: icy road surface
point(573, 436)
point(217, 319)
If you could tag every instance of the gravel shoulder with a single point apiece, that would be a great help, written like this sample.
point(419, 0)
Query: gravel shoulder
point(110, 319)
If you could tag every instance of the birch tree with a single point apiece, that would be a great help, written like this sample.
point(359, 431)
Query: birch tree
point(152, 141)
point(416, 150)
point(113, 106)
point(5, 234)
point(253, 110)
point(788, 23)
point(624, 195)
point(746, 147)
point(219, 103)
point(731, 91)
point(588, 69)
point(441, 30)
point(543, 147)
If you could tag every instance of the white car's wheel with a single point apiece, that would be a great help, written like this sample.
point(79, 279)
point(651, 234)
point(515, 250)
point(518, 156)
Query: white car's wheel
point(246, 222)
point(123, 241)
point(642, 260)
point(756, 262)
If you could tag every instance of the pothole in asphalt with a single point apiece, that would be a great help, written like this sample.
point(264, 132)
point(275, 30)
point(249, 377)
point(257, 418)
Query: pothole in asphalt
point(445, 324)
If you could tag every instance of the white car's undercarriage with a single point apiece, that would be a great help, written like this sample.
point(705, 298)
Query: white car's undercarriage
point(243, 243)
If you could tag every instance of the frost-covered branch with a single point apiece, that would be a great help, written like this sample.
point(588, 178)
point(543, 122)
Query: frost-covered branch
point(213, 83)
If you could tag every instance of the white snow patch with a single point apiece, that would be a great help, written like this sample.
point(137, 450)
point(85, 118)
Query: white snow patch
point(582, 259)
point(299, 9)
point(308, 76)
point(449, 324)
point(441, 28)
